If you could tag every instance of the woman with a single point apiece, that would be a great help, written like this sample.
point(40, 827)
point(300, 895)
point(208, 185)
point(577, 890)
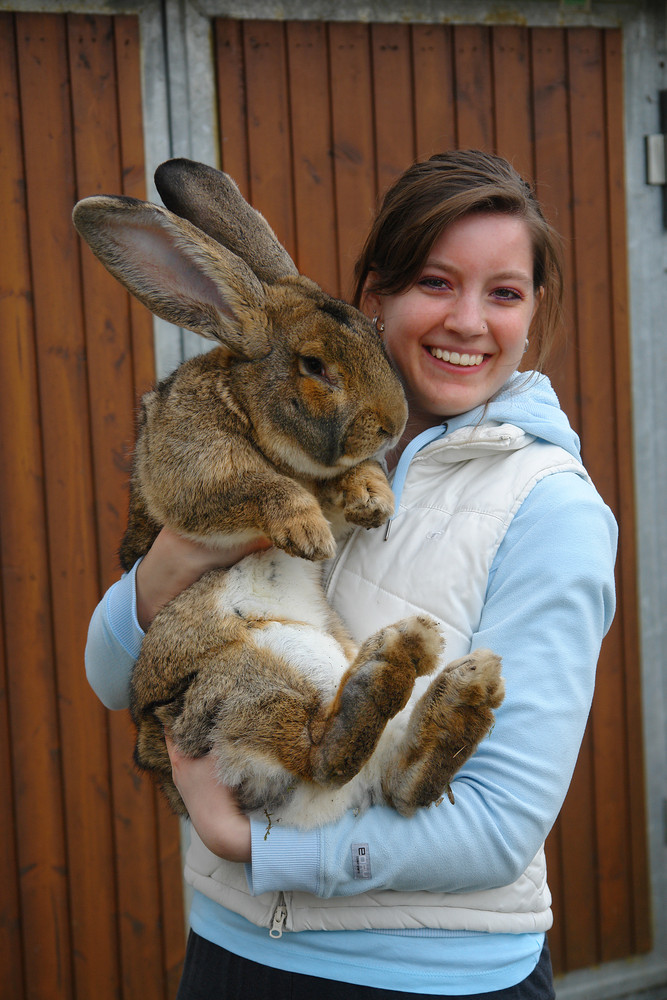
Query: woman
point(499, 534)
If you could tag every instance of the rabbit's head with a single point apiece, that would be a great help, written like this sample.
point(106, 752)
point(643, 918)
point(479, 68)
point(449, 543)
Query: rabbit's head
point(308, 371)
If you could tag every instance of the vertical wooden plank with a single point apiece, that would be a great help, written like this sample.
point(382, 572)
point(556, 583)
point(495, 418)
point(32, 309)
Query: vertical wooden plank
point(314, 202)
point(11, 944)
point(591, 232)
point(131, 136)
point(554, 190)
point(269, 139)
point(579, 916)
point(105, 303)
point(172, 918)
point(19, 453)
point(232, 106)
point(36, 765)
point(432, 60)
point(512, 98)
point(473, 87)
point(354, 156)
point(628, 606)
point(393, 101)
point(43, 58)
point(571, 873)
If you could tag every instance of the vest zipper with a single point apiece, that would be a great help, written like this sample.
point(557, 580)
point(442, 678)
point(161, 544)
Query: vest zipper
point(279, 917)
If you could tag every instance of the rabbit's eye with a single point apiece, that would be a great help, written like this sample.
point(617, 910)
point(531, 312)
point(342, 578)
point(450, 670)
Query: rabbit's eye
point(309, 365)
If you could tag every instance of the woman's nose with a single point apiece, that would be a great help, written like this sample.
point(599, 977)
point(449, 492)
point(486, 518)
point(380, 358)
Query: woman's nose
point(466, 316)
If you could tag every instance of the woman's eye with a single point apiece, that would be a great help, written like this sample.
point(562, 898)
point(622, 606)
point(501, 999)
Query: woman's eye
point(507, 294)
point(433, 282)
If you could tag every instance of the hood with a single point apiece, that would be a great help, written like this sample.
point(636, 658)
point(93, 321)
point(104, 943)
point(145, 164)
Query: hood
point(526, 401)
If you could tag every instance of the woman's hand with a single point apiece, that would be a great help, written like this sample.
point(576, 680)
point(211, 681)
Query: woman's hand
point(213, 809)
point(174, 562)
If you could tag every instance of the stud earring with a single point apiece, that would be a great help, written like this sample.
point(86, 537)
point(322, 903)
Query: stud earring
point(485, 328)
point(379, 327)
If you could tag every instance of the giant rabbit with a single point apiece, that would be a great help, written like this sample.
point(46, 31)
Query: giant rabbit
point(274, 433)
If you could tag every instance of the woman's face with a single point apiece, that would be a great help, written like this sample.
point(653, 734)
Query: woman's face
point(460, 331)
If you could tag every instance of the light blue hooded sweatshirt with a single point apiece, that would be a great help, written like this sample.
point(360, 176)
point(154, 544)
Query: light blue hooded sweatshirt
point(549, 601)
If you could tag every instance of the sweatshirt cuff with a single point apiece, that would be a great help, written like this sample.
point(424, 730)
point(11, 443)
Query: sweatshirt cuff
point(121, 598)
point(284, 859)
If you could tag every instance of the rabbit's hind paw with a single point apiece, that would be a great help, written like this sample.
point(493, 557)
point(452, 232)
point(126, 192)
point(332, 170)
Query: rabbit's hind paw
point(475, 680)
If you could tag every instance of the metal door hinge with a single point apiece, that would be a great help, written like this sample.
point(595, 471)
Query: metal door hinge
point(656, 154)
point(656, 159)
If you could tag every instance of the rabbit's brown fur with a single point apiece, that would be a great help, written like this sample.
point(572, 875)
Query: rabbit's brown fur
point(276, 432)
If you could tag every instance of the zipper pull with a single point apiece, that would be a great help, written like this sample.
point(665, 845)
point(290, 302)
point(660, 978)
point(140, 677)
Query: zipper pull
point(279, 918)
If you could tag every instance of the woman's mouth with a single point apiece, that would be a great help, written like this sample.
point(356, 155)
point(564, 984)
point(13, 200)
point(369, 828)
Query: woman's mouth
point(454, 358)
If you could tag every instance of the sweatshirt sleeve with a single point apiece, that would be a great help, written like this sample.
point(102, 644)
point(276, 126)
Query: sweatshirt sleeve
point(114, 641)
point(550, 600)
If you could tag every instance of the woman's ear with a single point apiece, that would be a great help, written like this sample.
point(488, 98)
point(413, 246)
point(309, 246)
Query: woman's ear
point(539, 298)
point(371, 303)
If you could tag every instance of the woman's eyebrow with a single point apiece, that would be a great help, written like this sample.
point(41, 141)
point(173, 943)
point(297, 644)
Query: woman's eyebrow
point(509, 275)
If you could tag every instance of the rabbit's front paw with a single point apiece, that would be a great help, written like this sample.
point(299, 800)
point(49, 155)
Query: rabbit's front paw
point(307, 536)
point(367, 496)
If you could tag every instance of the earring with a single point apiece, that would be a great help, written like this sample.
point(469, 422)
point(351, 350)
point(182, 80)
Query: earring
point(527, 345)
point(380, 327)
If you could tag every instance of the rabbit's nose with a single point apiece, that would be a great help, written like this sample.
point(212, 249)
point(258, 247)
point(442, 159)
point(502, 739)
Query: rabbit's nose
point(371, 431)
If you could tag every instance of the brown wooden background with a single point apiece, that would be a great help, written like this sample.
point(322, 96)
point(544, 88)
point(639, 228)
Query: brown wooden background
point(315, 119)
point(89, 862)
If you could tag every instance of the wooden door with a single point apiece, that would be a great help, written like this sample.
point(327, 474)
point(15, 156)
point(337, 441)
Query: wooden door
point(89, 859)
point(315, 120)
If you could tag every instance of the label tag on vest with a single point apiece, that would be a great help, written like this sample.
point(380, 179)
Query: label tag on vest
point(361, 861)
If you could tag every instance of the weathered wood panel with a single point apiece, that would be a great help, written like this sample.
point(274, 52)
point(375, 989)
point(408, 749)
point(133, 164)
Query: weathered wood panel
point(96, 897)
point(547, 100)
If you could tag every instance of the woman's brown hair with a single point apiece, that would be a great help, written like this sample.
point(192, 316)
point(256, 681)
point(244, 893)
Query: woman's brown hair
point(432, 194)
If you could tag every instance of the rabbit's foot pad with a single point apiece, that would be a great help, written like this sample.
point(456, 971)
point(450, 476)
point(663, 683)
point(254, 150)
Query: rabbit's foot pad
point(416, 641)
point(475, 679)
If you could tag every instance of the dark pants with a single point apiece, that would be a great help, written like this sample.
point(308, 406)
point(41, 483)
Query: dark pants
point(211, 973)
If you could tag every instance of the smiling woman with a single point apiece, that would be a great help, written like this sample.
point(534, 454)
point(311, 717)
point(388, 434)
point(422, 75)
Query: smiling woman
point(458, 333)
point(500, 536)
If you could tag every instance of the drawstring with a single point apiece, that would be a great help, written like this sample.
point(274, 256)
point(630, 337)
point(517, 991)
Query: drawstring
point(401, 474)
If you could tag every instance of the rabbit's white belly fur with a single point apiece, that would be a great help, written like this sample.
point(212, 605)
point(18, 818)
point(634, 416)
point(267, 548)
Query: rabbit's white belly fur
point(285, 592)
point(314, 654)
point(276, 586)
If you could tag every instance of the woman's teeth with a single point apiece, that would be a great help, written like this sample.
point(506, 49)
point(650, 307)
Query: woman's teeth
point(454, 358)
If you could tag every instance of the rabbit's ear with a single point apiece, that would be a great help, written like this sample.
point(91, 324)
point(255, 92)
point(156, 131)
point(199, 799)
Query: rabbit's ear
point(177, 271)
point(212, 201)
